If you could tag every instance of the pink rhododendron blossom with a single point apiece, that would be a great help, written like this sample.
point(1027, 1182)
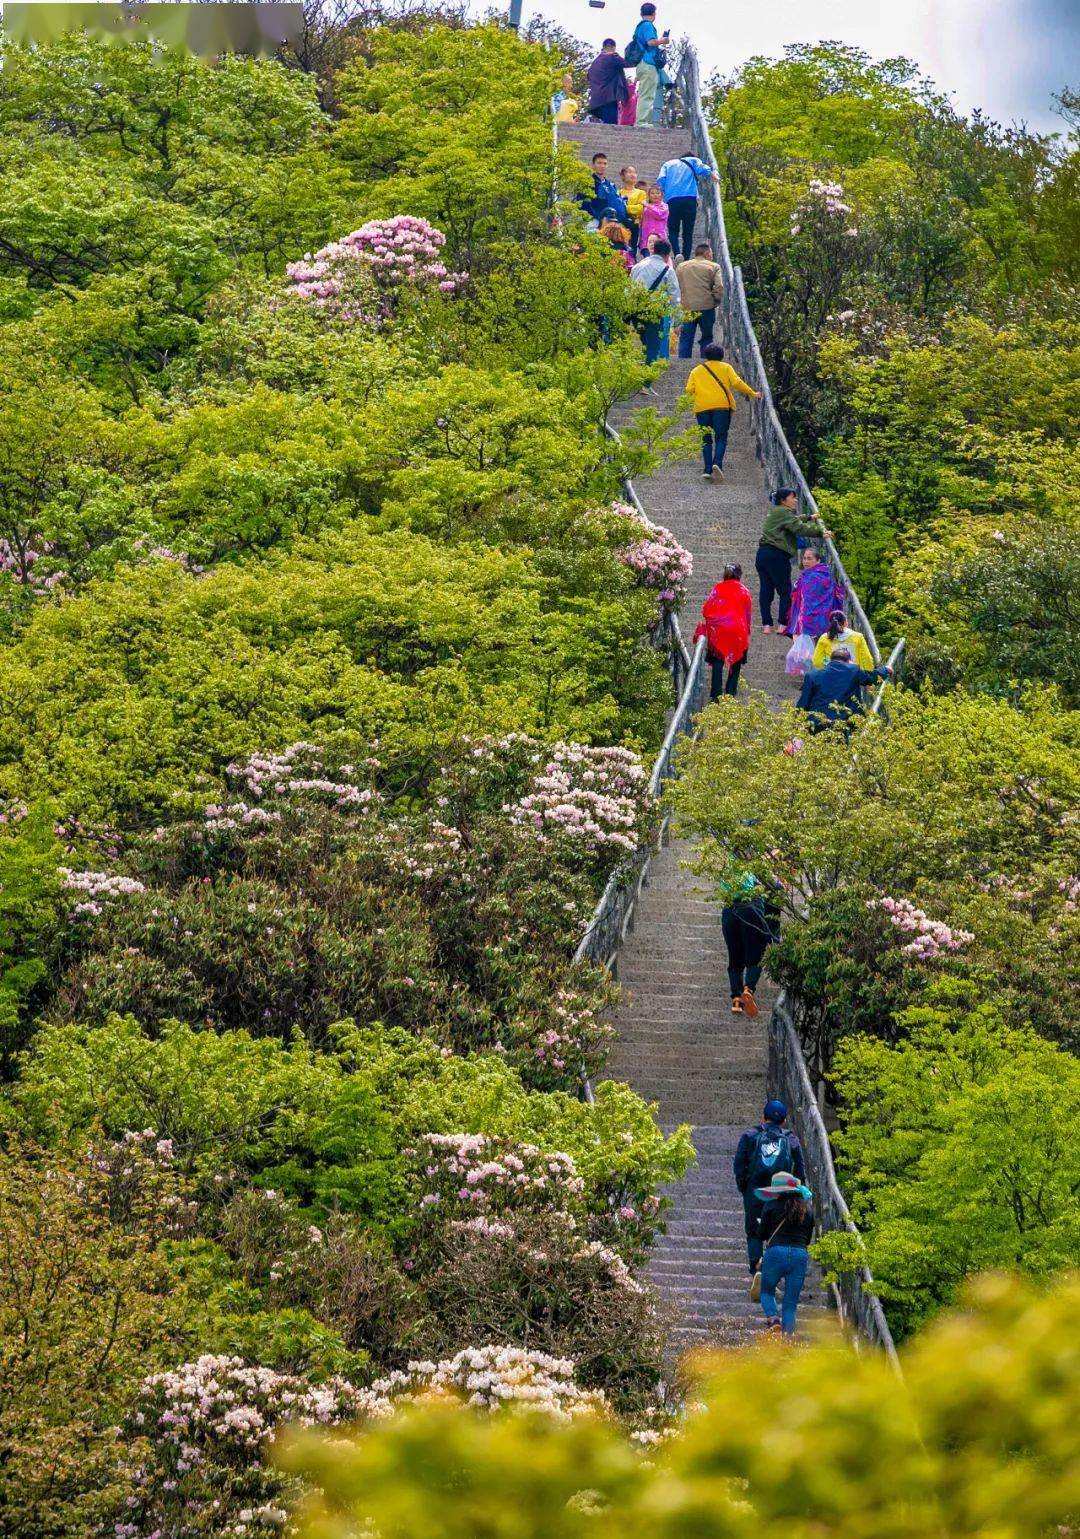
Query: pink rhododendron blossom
point(358, 277)
point(597, 795)
point(929, 937)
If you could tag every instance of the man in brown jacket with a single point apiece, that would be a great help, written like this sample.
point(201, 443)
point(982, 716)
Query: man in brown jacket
point(701, 288)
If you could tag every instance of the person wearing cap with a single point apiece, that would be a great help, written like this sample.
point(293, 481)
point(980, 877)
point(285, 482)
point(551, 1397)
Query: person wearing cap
point(763, 1150)
point(785, 1228)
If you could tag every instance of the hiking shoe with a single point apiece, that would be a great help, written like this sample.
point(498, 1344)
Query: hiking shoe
point(706, 475)
point(749, 1003)
point(737, 1005)
point(755, 1287)
point(766, 630)
point(717, 473)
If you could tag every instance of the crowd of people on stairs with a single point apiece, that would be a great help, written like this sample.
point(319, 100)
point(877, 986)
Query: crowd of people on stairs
point(652, 227)
point(628, 88)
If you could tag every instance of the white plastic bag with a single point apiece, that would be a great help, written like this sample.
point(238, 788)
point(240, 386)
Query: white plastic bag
point(800, 656)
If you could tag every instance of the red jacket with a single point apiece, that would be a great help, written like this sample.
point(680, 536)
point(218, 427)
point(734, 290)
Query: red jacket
point(726, 618)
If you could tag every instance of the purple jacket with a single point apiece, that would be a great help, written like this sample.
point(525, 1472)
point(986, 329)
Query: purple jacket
point(607, 80)
point(813, 597)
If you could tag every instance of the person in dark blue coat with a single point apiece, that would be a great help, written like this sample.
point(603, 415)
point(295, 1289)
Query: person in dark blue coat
point(831, 694)
point(605, 193)
point(762, 1151)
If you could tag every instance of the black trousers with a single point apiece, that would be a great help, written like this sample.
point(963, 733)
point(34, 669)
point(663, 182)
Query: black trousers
point(608, 113)
point(717, 687)
point(682, 217)
point(774, 581)
point(747, 936)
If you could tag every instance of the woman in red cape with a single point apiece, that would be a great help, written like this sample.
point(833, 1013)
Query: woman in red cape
point(726, 617)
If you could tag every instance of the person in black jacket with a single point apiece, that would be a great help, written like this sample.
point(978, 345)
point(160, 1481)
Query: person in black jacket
point(832, 695)
point(786, 1227)
point(762, 1150)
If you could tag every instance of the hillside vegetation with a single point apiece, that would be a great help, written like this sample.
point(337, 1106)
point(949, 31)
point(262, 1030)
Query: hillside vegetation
point(324, 679)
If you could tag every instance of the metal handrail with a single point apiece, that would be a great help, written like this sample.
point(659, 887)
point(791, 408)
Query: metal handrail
point(789, 1079)
point(781, 466)
point(788, 1075)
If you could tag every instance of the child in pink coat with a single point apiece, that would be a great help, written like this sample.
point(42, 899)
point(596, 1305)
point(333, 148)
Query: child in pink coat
point(654, 217)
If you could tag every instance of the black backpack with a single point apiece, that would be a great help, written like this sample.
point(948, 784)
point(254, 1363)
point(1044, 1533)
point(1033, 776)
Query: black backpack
point(772, 1152)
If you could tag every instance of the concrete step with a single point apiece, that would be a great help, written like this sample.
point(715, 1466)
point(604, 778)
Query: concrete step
point(677, 1042)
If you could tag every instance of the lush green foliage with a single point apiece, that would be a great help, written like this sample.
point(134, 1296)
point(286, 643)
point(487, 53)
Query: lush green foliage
point(324, 676)
point(960, 1145)
point(979, 1436)
point(929, 858)
point(912, 277)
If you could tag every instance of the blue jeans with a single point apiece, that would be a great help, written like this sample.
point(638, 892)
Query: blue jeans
point(788, 1262)
point(714, 427)
point(706, 319)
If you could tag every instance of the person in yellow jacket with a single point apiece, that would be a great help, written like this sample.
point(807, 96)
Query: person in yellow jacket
point(711, 388)
point(840, 634)
point(632, 192)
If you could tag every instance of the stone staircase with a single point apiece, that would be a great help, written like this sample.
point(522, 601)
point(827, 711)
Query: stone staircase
point(677, 1042)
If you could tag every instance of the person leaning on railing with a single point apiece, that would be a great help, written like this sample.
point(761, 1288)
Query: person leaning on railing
point(779, 543)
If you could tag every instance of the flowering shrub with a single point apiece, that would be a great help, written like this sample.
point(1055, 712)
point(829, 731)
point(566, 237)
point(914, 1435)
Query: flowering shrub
point(930, 937)
point(466, 1173)
point(596, 796)
point(22, 565)
point(658, 560)
point(200, 1431)
point(299, 770)
point(99, 887)
point(563, 1038)
point(491, 1377)
point(358, 277)
point(823, 199)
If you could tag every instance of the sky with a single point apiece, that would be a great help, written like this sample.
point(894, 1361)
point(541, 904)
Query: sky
point(1006, 56)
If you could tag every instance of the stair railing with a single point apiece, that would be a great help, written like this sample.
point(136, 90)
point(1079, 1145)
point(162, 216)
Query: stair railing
point(774, 451)
point(788, 1076)
point(853, 1292)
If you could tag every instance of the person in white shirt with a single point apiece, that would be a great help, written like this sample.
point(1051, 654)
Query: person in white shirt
point(656, 275)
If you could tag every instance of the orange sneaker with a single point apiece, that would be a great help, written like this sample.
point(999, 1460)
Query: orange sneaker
point(749, 1003)
point(737, 1005)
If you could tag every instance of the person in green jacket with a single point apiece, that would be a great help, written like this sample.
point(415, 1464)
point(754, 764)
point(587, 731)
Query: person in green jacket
point(784, 526)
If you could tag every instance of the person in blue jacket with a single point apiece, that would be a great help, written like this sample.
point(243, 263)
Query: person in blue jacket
point(649, 49)
point(679, 180)
point(605, 193)
point(763, 1150)
point(832, 695)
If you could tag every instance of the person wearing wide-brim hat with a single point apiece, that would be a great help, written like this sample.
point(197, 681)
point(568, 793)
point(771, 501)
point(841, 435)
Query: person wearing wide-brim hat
point(786, 1227)
point(763, 1150)
point(783, 1184)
